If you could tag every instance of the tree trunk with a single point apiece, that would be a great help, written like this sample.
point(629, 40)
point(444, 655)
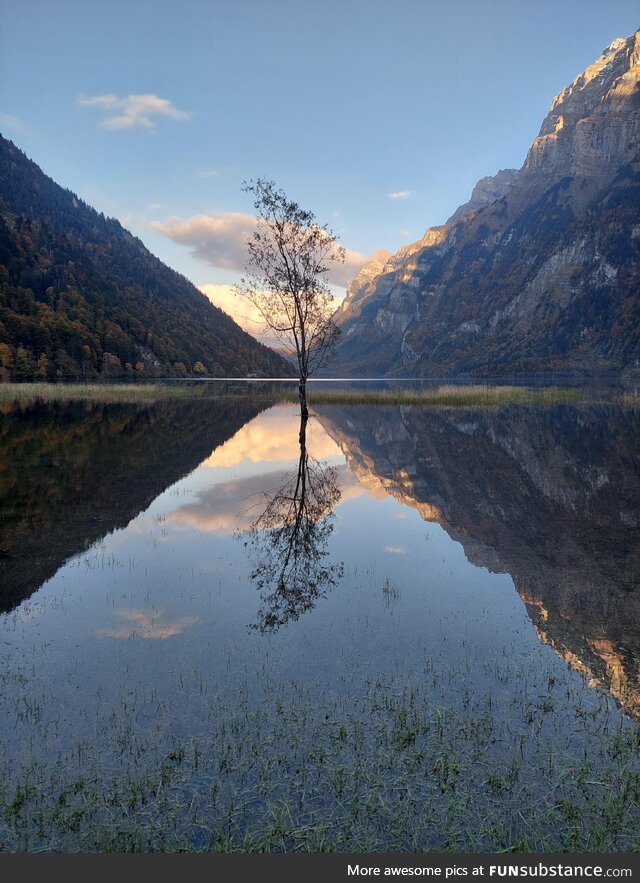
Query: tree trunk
point(304, 410)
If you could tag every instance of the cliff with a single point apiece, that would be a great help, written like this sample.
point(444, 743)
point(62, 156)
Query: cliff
point(540, 270)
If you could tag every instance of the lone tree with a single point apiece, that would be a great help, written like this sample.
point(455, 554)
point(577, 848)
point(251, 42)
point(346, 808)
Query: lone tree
point(289, 257)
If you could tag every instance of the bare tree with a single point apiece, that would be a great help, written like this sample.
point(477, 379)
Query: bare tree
point(289, 257)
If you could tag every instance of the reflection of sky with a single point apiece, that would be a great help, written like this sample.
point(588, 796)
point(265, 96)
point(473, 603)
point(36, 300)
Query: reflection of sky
point(146, 624)
point(266, 444)
point(271, 438)
point(226, 491)
point(233, 505)
point(178, 583)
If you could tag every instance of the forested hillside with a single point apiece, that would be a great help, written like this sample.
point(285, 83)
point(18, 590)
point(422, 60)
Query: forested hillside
point(80, 297)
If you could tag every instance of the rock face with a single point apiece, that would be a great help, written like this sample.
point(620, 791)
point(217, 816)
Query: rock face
point(594, 121)
point(486, 191)
point(540, 270)
point(360, 283)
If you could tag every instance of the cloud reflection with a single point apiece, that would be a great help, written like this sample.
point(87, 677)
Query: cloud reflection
point(272, 437)
point(147, 624)
point(231, 505)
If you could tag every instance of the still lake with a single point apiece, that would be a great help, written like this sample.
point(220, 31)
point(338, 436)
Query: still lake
point(436, 647)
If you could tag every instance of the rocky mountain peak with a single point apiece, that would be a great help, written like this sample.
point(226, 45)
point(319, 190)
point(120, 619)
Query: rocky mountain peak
point(539, 270)
point(566, 137)
point(591, 85)
point(485, 192)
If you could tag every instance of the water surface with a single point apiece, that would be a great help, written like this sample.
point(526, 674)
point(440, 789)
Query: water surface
point(449, 666)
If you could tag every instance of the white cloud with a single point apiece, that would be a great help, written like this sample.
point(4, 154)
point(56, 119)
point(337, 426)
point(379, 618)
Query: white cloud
point(400, 194)
point(208, 173)
point(7, 121)
point(133, 111)
point(221, 241)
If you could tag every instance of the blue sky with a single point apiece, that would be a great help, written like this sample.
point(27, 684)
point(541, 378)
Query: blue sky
point(379, 117)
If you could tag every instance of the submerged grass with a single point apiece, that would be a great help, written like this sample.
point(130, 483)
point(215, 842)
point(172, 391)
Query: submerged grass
point(386, 770)
point(631, 400)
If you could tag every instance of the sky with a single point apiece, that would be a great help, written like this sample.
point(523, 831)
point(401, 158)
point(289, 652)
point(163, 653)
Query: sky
point(379, 117)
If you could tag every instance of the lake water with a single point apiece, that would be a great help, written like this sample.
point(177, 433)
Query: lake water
point(424, 633)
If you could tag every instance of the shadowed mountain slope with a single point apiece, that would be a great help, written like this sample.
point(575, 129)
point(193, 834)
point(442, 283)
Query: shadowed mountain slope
point(81, 297)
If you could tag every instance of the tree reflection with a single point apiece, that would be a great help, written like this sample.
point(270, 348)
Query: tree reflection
point(290, 538)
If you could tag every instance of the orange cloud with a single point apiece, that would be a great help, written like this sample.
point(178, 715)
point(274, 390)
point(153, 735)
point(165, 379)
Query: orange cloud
point(241, 311)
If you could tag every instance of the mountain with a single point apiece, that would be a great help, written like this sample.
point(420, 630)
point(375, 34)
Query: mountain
point(80, 297)
point(550, 496)
point(359, 285)
point(539, 271)
point(486, 191)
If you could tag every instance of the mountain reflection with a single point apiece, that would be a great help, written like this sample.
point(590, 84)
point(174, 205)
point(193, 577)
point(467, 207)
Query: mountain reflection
point(551, 496)
point(289, 540)
point(72, 473)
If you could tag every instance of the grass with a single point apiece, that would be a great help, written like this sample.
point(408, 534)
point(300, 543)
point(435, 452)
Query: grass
point(132, 393)
point(445, 396)
point(99, 393)
point(449, 396)
point(631, 400)
point(385, 770)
